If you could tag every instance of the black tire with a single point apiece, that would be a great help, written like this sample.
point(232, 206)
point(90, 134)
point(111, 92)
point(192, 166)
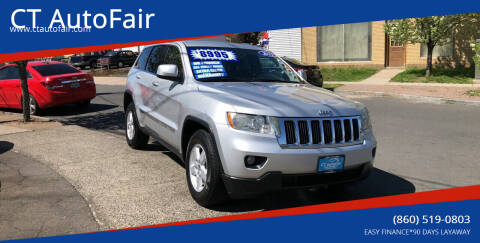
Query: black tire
point(213, 191)
point(84, 104)
point(138, 139)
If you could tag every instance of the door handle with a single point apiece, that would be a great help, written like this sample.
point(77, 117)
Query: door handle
point(138, 76)
point(156, 83)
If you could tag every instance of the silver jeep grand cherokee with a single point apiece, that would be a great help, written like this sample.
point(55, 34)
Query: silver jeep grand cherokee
point(243, 121)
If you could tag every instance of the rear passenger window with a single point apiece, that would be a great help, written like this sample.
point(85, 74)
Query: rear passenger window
point(142, 60)
point(11, 72)
point(55, 69)
point(156, 58)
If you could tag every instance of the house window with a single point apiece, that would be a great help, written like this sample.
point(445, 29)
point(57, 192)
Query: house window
point(345, 42)
point(445, 50)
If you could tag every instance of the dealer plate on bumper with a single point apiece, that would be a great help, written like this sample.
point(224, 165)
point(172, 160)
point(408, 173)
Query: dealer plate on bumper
point(75, 85)
point(331, 163)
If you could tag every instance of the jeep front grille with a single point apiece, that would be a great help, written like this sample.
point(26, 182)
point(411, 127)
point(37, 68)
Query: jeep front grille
point(319, 132)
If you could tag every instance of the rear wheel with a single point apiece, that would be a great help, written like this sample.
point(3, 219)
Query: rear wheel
point(33, 106)
point(84, 104)
point(135, 137)
point(120, 64)
point(204, 170)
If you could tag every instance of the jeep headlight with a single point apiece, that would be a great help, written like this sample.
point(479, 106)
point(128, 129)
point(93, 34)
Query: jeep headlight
point(365, 116)
point(253, 123)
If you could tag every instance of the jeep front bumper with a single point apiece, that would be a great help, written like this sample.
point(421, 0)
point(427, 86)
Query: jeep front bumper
point(276, 181)
point(284, 165)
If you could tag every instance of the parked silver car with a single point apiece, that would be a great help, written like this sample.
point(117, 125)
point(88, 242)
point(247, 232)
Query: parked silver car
point(243, 121)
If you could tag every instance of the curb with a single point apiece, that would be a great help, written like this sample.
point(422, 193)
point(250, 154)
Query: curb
point(39, 118)
point(406, 96)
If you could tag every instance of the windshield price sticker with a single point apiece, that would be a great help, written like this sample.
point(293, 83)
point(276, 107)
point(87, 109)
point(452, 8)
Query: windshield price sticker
point(208, 69)
point(213, 54)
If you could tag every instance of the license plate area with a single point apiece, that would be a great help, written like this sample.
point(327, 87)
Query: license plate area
point(75, 85)
point(331, 163)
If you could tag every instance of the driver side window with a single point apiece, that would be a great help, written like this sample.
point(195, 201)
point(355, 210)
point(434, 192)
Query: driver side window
point(173, 57)
point(156, 58)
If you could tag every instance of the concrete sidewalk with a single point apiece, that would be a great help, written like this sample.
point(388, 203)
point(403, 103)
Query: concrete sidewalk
point(35, 201)
point(453, 93)
point(10, 130)
point(11, 123)
point(379, 84)
point(383, 76)
point(110, 80)
point(125, 187)
point(406, 84)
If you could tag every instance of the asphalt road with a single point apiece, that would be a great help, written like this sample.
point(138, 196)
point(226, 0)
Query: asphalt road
point(421, 147)
point(105, 113)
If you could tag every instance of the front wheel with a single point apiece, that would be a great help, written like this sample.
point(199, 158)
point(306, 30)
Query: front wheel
point(204, 170)
point(135, 137)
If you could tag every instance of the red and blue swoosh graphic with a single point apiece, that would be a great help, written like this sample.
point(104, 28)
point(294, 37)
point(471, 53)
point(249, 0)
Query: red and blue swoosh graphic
point(334, 222)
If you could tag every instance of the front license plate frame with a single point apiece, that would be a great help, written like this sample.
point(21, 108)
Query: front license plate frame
point(331, 163)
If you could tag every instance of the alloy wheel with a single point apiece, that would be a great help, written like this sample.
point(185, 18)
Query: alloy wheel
point(198, 167)
point(130, 126)
point(32, 105)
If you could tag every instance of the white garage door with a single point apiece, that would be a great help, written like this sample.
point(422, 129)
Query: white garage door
point(286, 42)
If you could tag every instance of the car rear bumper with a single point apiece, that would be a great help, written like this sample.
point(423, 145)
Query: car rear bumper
point(56, 98)
point(275, 181)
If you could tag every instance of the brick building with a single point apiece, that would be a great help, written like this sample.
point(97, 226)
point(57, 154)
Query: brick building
point(365, 44)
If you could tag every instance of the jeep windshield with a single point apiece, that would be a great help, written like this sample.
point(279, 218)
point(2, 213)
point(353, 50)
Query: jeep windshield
point(212, 64)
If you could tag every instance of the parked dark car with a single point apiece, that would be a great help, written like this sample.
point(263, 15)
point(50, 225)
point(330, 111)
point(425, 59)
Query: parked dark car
point(118, 59)
point(85, 61)
point(312, 72)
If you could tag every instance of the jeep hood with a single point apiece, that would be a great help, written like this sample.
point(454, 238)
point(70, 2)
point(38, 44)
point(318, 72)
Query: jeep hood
point(280, 99)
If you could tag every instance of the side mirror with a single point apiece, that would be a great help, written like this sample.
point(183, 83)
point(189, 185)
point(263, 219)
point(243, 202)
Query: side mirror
point(315, 78)
point(167, 71)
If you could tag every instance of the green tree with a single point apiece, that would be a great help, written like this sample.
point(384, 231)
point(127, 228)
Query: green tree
point(476, 56)
point(431, 31)
point(249, 37)
point(22, 70)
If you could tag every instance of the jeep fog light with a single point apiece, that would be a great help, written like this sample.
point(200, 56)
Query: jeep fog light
point(254, 162)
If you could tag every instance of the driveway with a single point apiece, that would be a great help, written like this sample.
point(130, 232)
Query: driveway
point(421, 147)
point(36, 201)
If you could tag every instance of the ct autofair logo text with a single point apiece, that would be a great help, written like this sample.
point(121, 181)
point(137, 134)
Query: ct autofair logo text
point(115, 18)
